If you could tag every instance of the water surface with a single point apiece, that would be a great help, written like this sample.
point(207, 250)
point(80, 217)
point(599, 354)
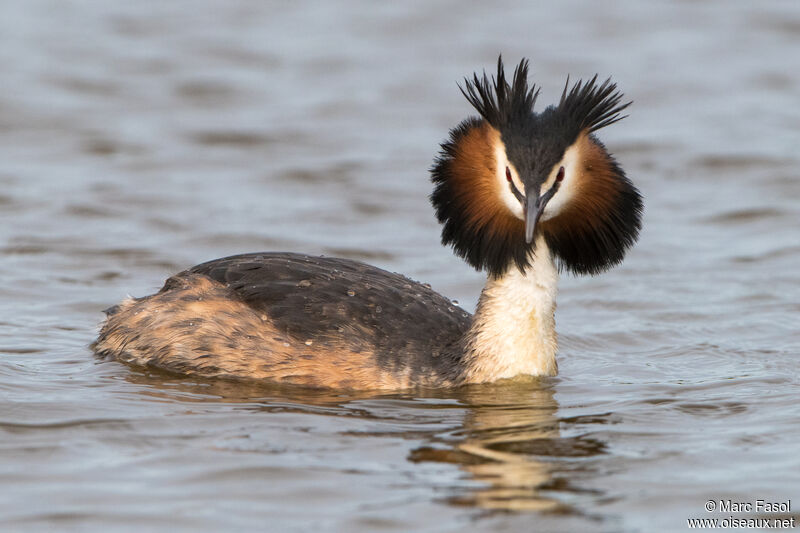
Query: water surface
point(137, 140)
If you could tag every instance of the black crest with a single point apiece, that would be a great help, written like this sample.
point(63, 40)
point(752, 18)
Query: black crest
point(497, 101)
point(590, 107)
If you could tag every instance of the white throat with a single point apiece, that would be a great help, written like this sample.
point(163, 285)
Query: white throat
point(513, 331)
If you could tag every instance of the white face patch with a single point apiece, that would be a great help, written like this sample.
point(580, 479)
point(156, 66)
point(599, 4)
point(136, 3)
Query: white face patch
point(506, 194)
point(573, 171)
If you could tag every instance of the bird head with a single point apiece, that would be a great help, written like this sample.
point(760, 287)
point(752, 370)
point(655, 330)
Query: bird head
point(511, 174)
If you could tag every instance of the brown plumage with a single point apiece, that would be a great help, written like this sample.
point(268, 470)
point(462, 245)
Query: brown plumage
point(517, 193)
point(595, 229)
point(476, 191)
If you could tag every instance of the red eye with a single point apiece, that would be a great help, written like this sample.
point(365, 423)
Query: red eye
point(508, 174)
point(560, 175)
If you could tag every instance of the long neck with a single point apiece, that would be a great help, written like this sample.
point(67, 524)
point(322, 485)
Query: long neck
point(513, 330)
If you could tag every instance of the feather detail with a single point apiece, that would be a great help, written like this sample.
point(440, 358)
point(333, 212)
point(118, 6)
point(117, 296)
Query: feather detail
point(591, 106)
point(475, 222)
point(497, 101)
point(603, 218)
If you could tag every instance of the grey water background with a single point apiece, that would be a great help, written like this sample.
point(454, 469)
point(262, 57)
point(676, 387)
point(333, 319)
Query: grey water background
point(140, 138)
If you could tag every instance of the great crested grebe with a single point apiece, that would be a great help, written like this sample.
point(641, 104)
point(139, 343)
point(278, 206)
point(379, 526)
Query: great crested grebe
point(517, 193)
